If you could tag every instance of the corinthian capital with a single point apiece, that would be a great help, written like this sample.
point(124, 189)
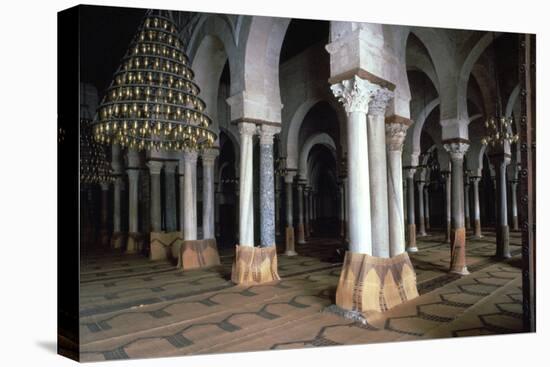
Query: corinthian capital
point(380, 100)
point(190, 156)
point(208, 156)
point(457, 149)
point(247, 128)
point(395, 135)
point(267, 132)
point(355, 94)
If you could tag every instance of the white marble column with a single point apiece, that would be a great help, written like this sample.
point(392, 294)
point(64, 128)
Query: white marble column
point(181, 188)
point(208, 157)
point(190, 195)
point(342, 211)
point(355, 95)
point(378, 174)
point(277, 206)
point(171, 219)
point(411, 221)
point(154, 172)
point(467, 202)
point(118, 184)
point(457, 149)
point(104, 231)
point(133, 176)
point(448, 201)
point(246, 197)
point(514, 199)
point(307, 211)
point(421, 223)
point(477, 216)
point(395, 135)
point(301, 221)
point(427, 206)
point(267, 185)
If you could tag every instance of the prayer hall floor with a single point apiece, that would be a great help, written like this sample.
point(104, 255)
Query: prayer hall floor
point(131, 307)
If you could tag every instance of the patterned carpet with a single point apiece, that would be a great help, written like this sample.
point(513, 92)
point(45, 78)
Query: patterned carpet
point(134, 308)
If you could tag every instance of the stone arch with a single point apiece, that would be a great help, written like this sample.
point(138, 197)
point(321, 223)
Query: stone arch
point(468, 65)
point(293, 130)
point(320, 138)
point(419, 124)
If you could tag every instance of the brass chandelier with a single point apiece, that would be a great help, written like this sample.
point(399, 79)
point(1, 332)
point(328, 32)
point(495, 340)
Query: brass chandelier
point(94, 166)
point(498, 127)
point(152, 102)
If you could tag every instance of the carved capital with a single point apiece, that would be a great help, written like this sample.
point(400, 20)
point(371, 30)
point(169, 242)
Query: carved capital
point(190, 156)
point(457, 150)
point(355, 94)
point(380, 100)
point(247, 129)
point(267, 132)
point(395, 136)
point(409, 172)
point(155, 167)
point(208, 156)
point(289, 177)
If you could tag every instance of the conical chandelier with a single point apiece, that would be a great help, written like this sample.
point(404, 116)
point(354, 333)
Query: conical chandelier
point(152, 102)
point(94, 166)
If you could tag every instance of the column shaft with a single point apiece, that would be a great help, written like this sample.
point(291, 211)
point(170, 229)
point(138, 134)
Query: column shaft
point(170, 196)
point(301, 226)
point(515, 222)
point(503, 231)
point(477, 217)
point(190, 196)
point(289, 232)
point(411, 220)
point(133, 229)
point(267, 186)
point(427, 207)
point(246, 207)
point(467, 203)
point(421, 223)
point(448, 201)
point(154, 172)
point(208, 159)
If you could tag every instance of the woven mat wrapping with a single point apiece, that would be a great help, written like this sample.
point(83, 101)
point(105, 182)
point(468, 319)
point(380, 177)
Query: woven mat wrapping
point(458, 249)
point(196, 254)
point(254, 265)
point(369, 283)
point(162, 244)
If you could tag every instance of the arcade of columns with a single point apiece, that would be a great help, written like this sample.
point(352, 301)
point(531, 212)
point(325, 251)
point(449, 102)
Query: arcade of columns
point(376, 210)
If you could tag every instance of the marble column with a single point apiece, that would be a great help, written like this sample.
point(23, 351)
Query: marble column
point(477, 216)
point(448, 201)
point(154, 172)
point(118, 186)
point(342, 211)
point(171, 219)
point(208, 157)
point(190, 195)
point(395, 135)
point(421, 222)
point(104, 225)
point(133, 229)
point(355, 95)
point(246, 196)
point(300, 228)
point(267, 185)
point(427, 206)
point(289, 240)
point(117, 227)
point(411, 221)
point(307, 211)
point(467, 202)
point(500, 162)
point(378, 173)
point(457, 149)
point(514, 199)
point(181, 188)
point(277, 206)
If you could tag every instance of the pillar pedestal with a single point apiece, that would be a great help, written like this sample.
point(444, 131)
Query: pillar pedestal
point(198, 254)
point(254, 265)
point(289, 240)
point(369, 283)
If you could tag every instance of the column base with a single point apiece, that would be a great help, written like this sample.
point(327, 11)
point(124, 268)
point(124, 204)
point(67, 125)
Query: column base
point(369, 283)
point(289, 241)
point(104, 238)
point(300, 233)
point(477, 229)
point(161, 244)
point(411, 243)
point(515, 224)
point(133, 245)
point(467, 222)
point(198, 254)
point(254, 265)
point(118, 239)
point(448, 233)
point(458, 252)
point(503, 242)
point(421, 232)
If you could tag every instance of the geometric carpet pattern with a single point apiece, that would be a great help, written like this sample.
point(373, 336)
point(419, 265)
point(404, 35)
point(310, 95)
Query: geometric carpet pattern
point(131, 307)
